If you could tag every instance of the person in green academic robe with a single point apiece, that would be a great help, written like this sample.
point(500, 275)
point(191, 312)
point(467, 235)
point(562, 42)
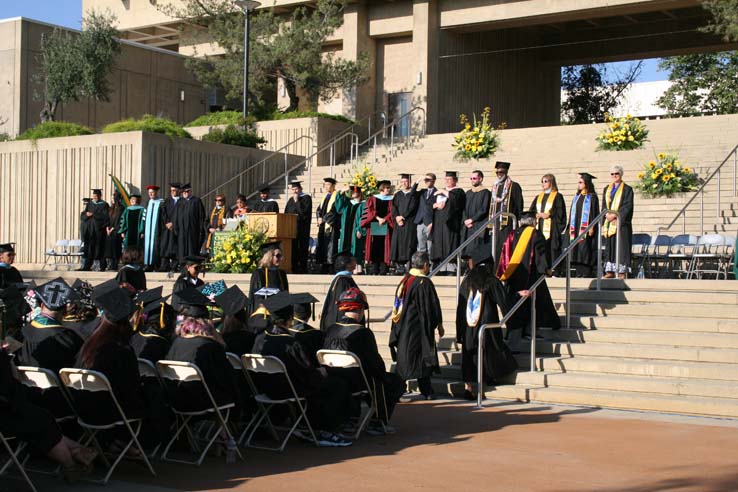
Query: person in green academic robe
point(132, 224)
point(350, 209)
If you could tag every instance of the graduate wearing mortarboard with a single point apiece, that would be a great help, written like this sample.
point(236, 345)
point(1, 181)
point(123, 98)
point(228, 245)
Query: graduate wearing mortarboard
point(168, 246)
point(9, 275)
point(265, 204)
point(585, 206)
point(97, 218)
point(329, 230)
point(300, 204)
point(507, 196)
point(269, 274)
point(404, 236)
point(190, 224)
point(378, 224)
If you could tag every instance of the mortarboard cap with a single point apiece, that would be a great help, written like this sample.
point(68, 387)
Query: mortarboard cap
point(384, 182)
point(152, 187)
point(186, 186)
point(329, 180)
point(85, 200)
point(587, 176)
point(96, 191)
point(266, 247)
point(192, 302)
point(263, 188)
point(296, 183)
point(175, 184)
point(265, 292)
point(149, 296)
point(7, 248)
point(303, 298)
point(116, 305)
point(279, 305)
point(213, 288)
point(135, 195)
point(502, 165)
point(232, 300)
point(104, 288)
point(406, 176)
point(54, 294)
point(304, 305)
point(194, 260)
point(451, 174)
point(481, 254)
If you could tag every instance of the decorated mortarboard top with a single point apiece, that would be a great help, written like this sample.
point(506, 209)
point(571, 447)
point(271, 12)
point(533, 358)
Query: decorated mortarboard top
point(54, 294)
point(502, 165)
point(266, 247)
point(152, 187)
point(452, 174)
point(116, 305)
point(193, 301)
point(329, 180)
point(213, 288)
point(7, 248)
point(266, 292)
point(406, 176)
point(279, 303)
point(587, 176)
point(263, 188)
point(232, 300)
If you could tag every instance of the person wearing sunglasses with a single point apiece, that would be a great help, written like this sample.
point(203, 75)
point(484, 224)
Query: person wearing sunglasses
point(476, 210)
point(269, 274)
point(424, 214)
point(216, 223)
point(550, 211)
point(507, 196)
point(617, 196)
point(190, 224)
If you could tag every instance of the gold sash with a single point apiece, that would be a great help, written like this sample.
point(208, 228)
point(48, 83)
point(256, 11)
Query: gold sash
point(546, 210)
point(611, 228)
point(518, 252)
point(331, 201)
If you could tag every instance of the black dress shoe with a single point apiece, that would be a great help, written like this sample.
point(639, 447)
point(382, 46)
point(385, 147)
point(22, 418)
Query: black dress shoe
point(468, 395)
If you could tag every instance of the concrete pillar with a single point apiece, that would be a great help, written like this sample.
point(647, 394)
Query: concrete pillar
point(359, 102)
point(426, 27)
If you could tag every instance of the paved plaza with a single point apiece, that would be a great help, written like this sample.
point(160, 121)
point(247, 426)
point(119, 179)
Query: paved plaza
point(507, 447)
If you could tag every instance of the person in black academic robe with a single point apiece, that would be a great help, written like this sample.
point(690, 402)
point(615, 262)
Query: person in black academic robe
point(507, 196)
point(153, 339)
point(265, 204)
point(300, 204)
point(448, 212)
point(188, 278)
point(113, 241)
point(268, 274)
point(9, 275)
point(415, 318)
point(48, 343)
point(310, 338)
point(189, 224)
point(341, 282)
point(476, 211)
point(550, 211)
point(329, 230)
point(477, 306)
point(84, 226)
point(617, 196)
point(132, 271)
point(216, 221)
point(585, 206)
point(404, 236)
point(168, 245)
point(97, 224)
point(530, 245)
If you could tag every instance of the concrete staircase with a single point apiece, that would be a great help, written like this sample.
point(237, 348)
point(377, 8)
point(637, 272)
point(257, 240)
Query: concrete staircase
point(702, 143)
point(656, 345)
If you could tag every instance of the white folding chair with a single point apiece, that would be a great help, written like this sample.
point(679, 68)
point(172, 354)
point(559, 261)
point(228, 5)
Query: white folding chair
point(343, 359)
point(14, 460)
point(708, 249)
point(183, 372)
point(75, 249)
point(147, 369)
point(97, 382)
point(58, 251)
point(264, 365)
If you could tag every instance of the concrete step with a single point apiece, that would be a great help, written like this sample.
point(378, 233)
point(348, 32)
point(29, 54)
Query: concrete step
point(636, 351)
point(626, 336)
point(710, 325)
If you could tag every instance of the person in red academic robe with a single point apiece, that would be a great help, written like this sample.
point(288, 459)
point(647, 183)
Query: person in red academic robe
point(377, 220)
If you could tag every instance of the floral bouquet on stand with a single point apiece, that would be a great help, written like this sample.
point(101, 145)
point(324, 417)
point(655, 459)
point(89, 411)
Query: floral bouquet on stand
point(240, 252)
point(666, 176)
point(626, 133)
point(478, 139)
point(363, 176)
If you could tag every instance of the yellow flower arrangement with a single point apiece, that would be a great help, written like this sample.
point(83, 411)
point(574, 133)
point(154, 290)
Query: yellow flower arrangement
point(240, 252)
point(666, 176)
point(626, 133)
point(478, 139)
point(364, 177)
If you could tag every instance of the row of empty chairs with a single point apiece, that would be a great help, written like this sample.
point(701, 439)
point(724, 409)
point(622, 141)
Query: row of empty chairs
point(685, 255)
point(222, 431)
point(65, 252)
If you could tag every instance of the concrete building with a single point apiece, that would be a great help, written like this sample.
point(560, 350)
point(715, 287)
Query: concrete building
point(146, 79)
point(457, 56)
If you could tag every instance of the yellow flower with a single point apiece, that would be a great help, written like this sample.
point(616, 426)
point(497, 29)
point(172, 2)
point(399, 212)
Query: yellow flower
point(668, 166)
point(666, 178)
point(661, 155)
point(677, 164)
point(640, 175)
point(687, 170)
point(654, 176)
point(651, 164)
point(630, 138)
point(659, 171)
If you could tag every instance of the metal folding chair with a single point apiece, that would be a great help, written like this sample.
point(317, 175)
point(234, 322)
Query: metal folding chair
point(58, 251)
point(709, 249)
point(638, 250)
point(268, 364)
point(656, 254)
point(94, 381)
point(14, 460)
point(729, 255)
point(343, 359)
point(680, 253)
point(147, 369)
point(182, 372)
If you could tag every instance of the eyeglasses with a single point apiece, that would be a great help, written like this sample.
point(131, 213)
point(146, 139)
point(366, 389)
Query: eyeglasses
point(277, 255)
point(219, 201)
point(427, 180)
point(544, 181)
point(500, 172)
point(614, 174)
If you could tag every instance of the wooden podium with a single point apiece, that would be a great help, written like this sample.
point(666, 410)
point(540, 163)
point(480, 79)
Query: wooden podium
point(278, 227)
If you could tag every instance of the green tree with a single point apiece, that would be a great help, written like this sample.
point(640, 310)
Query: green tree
point(286, 47)
point(75, 66)
point(591, 93)
point(724, 20)
point(701, 83)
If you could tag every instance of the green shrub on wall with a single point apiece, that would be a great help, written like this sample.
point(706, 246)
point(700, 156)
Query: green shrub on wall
point(278, 115)
point(148, 123)
point(223, 118)
point(234, 135)
point(52, 129)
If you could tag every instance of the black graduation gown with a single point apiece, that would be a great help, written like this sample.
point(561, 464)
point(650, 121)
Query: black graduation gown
point(168, 244)
point(113, 241)
point(585, 253)
point(404, 238)
point(498, 358)
point(477, 209)
point(183, 282)
point(514, 206)
point(239, 342)
point(49, 344)
point(266, 277)
point(339, 285)
point(447, 225)
point(303, 208)
point(9, 275)
point(329, 232)
point(266, 206)
point(210, 357)
point(149, 345)
point(133, 275)
point(95, 230)
point(189, 226)
point(558, 224)
point(412, 337)
point(626, 227)
point(526, 274)
point(310, 338)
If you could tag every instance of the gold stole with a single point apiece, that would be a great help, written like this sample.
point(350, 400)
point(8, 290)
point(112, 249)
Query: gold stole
point(331, 201)
point(611, 228)
point(518, 252)
point(220, 213)
point(546, 210)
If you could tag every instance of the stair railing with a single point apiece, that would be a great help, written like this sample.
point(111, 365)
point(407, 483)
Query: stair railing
point(701, 193)
point(565, 255)
point(372, 138)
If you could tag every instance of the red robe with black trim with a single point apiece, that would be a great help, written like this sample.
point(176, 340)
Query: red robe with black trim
point(370, 215)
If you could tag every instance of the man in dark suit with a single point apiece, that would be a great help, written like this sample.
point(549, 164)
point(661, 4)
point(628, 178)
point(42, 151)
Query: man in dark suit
point(424, 215)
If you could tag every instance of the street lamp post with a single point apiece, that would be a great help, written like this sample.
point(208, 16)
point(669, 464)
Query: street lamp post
point(247, 6)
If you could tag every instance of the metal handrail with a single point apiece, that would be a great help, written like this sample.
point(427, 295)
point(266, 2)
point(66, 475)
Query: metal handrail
point(391, 125)
point(566, 254)
point(701, 192)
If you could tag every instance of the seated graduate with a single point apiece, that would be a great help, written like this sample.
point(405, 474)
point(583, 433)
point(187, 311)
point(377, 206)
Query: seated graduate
point(80, 310)
point(328, 397)
point(47, 342)
point(311, 338)
point(198, 342)
point(154, 326)
point(131, 274)
point(351, 334)
point(345, 265)
point(477, 306)
point(190, 277)
point(522, 262)
point(233, 327)
point(30, 423)
point(12, 287)
point(269, 274)
point(9, 275)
